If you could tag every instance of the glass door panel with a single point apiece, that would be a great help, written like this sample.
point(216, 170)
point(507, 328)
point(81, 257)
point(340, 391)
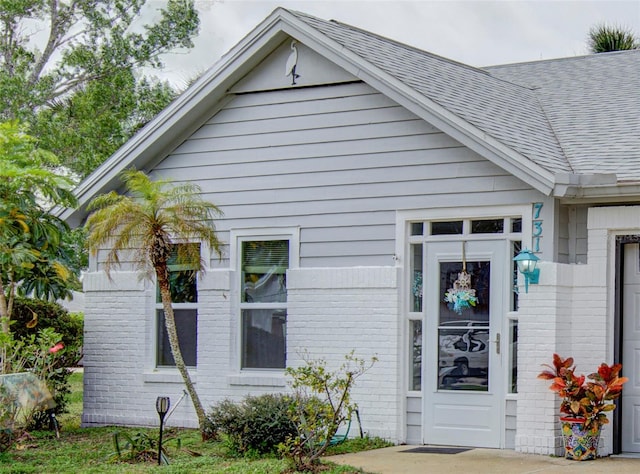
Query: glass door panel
point(463, 336)
point(463, 376)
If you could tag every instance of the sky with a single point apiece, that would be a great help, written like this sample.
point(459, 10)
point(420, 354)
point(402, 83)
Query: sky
point(475, 32)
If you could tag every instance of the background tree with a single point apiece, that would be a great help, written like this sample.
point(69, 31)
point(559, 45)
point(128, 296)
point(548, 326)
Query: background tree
point(32, 242)
point(87, 127)
point(605, 38)
point(84, 55)
point(147, 222)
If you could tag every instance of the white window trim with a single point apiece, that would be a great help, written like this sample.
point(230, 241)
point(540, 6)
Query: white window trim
point(403, 218)
point(254, 376)
point(265, 233)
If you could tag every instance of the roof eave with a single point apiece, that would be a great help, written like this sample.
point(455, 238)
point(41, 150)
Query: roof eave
point(183, 116)
point(600, 188)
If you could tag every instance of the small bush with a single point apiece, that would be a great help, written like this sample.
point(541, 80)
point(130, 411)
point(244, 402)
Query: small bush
point(29, 317)
point(7, 419)
point(258, 424)
point(139, 447)
point(321, 404)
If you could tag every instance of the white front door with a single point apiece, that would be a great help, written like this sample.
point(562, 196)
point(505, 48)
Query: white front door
point(463, 377)
point(630, 400)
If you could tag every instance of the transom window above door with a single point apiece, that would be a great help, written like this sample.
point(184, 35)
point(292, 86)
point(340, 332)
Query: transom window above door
point(466, 227)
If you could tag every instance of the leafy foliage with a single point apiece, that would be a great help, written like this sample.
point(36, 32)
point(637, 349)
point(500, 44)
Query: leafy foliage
point(87, 40)
point(30, 315)
point(30, 318)
point(74, 73)
point(140, 447)
point(322, 402)
point(605, 38)
point(38, 355)
point(585, 400)
point(85, 128)
point(7, 420)
point(33, 250)
point(258, 424)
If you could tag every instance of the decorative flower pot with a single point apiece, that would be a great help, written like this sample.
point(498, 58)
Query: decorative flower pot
point(580, 444)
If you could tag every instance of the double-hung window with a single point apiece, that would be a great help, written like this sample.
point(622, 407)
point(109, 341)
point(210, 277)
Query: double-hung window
point(263, 303)
point(184, 296)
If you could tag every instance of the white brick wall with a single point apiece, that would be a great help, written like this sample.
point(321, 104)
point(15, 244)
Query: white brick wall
point(335, 310)
point(331, 312)
point(570, 312)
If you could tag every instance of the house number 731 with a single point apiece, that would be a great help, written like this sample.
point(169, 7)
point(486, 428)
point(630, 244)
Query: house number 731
point(536, 231)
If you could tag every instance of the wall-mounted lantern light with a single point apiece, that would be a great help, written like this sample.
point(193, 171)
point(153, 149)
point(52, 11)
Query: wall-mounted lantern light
point(527, 262)
point(162, 407)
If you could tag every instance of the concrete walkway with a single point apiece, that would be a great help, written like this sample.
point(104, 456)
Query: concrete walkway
point(396, 460)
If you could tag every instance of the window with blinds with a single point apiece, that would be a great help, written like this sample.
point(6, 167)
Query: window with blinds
point(264, 303)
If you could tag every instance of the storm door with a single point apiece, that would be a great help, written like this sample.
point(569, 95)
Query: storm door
point(463, 387)
point(630, 400)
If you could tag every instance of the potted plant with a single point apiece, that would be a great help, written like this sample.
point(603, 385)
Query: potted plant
point(585, 403)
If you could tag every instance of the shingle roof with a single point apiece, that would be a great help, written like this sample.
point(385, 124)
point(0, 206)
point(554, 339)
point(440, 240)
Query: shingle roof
point(574, 115)
point(593, 105)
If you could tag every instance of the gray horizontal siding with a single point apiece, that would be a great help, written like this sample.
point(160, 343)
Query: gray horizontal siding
point(338, 162)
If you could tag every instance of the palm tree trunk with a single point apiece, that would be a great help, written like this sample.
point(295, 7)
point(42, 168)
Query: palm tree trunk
point(170, 324)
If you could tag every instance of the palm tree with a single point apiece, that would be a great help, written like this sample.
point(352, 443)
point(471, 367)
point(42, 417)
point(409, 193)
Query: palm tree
point(605, 38)
point(147, 221)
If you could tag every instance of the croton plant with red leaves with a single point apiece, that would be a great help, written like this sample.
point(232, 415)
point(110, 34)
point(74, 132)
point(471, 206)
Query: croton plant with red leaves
point(588, 400)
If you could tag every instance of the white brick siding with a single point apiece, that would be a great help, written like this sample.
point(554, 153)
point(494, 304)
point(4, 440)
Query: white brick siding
point(570, 312)
point(335, 310)
point(331, 312)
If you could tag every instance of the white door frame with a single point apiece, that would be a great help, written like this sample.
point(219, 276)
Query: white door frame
point(627, 251)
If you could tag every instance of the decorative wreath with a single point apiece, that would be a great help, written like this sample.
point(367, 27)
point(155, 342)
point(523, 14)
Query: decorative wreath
point(461, 296)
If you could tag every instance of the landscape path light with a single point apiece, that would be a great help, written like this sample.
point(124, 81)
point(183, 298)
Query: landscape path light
point(162, 407)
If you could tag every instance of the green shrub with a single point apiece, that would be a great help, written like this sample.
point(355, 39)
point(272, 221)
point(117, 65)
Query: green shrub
point(258, 424)
point(31, 316)
point(7, 418)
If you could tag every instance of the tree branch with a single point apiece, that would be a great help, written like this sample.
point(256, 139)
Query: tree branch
point(51, 44)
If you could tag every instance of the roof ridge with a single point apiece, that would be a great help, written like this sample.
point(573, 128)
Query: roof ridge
point(554, 133)
point(581, 57)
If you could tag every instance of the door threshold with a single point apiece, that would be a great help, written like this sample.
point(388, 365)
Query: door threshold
point(437, 450)
point(626, 455)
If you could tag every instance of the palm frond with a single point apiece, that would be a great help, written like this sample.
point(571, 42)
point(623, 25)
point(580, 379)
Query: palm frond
point(151, 216)
point(604, 38)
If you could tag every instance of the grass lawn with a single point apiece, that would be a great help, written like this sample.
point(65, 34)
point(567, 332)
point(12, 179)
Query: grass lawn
point(90, 450)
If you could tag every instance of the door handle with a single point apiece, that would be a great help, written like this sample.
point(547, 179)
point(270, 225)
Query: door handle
point(497, 341)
